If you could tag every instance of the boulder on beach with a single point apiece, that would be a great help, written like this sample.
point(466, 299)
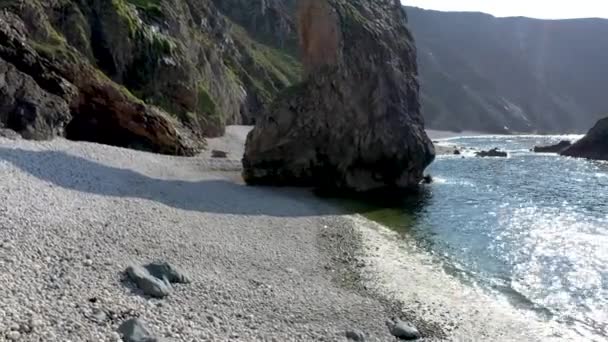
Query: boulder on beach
point(354, 124)
point(594, 145)
point(557, 148)
point(155, 279)
point(495, 152)
point(403, 330)
point(219, 154)
point(135, 330)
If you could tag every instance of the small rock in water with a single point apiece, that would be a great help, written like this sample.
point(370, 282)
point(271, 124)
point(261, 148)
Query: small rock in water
point(456, 152)
point(355, 335)
point(149, 284)
point(404, 330)
point(163, 270)
point(495, 152)
point(219, 154)
point(428, 179)
point(135, 330)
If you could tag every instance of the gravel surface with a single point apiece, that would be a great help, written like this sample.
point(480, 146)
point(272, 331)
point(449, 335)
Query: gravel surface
point(263, 264)
point(74, 216)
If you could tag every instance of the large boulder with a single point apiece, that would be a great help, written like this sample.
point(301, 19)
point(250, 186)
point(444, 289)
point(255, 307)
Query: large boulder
point(594, 145)
point(354, 123)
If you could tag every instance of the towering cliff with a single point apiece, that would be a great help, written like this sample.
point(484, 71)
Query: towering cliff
point(133, 66)
point(492, 74)
point(355, 122)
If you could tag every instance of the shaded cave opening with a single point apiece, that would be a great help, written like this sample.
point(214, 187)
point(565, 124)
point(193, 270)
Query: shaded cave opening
point(104, 129)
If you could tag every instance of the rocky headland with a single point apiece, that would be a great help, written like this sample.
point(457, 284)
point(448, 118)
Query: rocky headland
point(594, 145)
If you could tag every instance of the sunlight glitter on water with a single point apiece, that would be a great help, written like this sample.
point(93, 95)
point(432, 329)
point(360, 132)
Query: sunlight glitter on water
point(532, 226)
point(561, 262)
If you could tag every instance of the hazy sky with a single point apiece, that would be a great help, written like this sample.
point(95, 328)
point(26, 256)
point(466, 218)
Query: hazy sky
point(555, 9)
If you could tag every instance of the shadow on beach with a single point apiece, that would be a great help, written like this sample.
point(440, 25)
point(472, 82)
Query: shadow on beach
point(212, 196)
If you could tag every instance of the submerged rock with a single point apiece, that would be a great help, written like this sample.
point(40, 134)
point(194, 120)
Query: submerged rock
point(557, 148)
point(594, 145)
point(495, 152)
point(355, 123)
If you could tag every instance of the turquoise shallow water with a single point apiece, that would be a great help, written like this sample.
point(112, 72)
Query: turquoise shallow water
point(532, 227)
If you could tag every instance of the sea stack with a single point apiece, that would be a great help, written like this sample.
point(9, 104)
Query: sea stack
point(354, 123)
point(594, 145)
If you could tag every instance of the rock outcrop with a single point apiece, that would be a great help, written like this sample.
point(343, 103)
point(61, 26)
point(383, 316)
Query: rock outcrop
point(556, 148)
point(55, 93)
point(355, 122)
point(159, 75)
point(594, 145)
point(495, 152)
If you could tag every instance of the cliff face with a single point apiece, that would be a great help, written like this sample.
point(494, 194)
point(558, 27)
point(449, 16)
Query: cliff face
point(181, 62)
point(355, 122)
point(492, 74)
point(594, 145)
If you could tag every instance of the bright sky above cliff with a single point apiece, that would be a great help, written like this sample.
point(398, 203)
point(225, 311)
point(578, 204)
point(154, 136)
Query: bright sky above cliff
point(546, 9)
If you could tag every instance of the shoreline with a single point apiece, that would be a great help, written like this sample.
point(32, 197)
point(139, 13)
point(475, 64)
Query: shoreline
point(291, 267)
point(74, 215)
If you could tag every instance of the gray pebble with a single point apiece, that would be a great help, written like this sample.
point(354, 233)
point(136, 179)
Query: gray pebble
point(163, 270)
point(13, 335)
point(135, 330)
point(99, 316)
point(149, 284)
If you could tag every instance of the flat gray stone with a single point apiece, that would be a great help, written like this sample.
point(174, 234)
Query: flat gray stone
point(149, 284)
point(355, 335)
point(405, 331)
point(163, 270)
point(135, 330)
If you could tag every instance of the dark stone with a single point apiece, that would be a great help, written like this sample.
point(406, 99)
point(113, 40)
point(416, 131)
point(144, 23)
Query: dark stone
point(428, 179)
point(354, 124)
point(135, 330)
point(557, 148)
point(456, 152)
point(355, 335)
point(404, 331)
point(594, 145)
point(219, 154)
point(495, 152)
point(28, 109)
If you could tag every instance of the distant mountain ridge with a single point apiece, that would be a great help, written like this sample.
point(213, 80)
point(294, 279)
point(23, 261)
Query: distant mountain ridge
point(479, 72)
